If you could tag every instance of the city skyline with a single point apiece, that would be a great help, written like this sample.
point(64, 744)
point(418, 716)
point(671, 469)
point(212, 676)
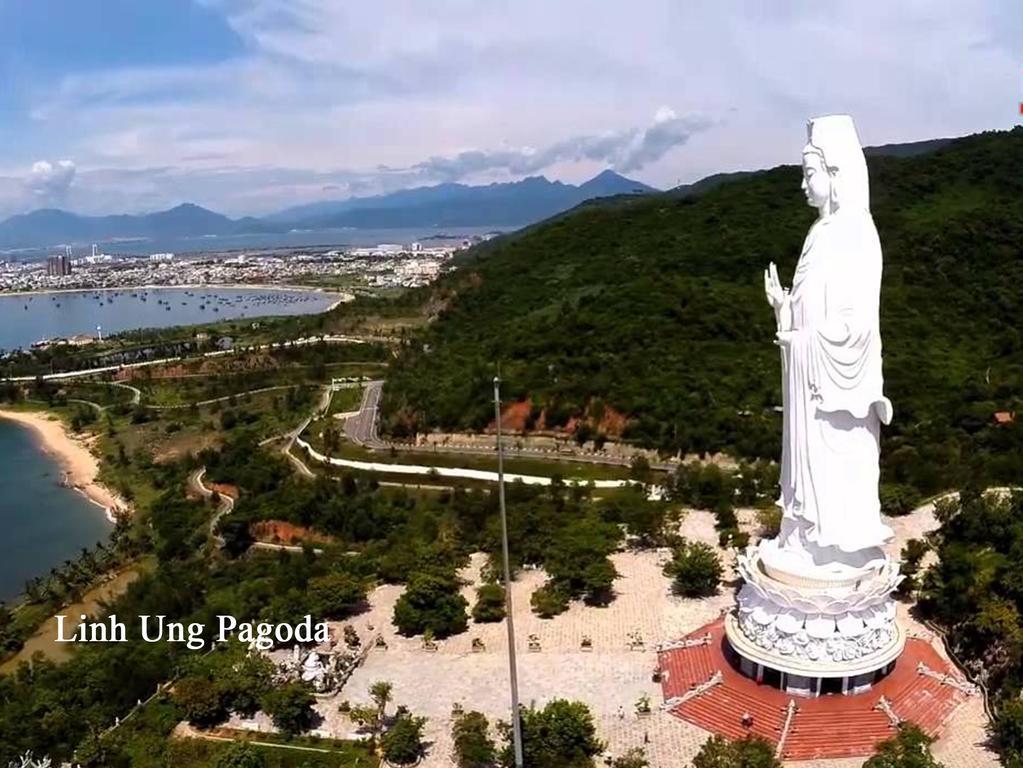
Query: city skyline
point(248, 106)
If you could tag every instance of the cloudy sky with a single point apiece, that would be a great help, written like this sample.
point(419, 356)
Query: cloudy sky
point(248, 106)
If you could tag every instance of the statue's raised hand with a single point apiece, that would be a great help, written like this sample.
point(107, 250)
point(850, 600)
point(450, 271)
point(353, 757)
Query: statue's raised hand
point(772, 287)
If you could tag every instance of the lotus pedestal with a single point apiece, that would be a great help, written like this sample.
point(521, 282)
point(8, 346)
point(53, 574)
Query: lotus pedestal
point(814, 630)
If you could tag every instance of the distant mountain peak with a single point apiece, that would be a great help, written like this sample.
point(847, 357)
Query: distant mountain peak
point(610, 182)
point(608, 173)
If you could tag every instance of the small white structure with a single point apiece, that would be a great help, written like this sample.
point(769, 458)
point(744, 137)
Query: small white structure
point(816, 613)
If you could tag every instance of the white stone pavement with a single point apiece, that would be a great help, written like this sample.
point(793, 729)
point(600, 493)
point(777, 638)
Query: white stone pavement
point(609, 679)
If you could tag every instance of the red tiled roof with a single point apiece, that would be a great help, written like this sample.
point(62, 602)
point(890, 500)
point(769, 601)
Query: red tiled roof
point(824, 727)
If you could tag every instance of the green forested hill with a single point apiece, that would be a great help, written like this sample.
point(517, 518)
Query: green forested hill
point(655, 308)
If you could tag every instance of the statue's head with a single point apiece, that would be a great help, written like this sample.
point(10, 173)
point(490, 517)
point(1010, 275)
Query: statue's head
point(834, 169)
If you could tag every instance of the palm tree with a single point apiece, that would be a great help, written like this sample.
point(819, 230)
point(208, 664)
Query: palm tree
point(381, 693)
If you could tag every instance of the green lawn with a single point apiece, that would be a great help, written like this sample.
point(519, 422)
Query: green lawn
point(345, 400)
point(196, 753)
point(146, 739)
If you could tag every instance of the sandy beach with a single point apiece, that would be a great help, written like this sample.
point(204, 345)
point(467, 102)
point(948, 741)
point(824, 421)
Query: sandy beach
point(74, 455)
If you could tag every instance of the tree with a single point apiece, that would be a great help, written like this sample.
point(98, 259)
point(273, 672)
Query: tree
point(473, 746)
point(240, 755)
point(336, 595)
point(245, 681)
point(489, 604)
point(644, 519)
point(751, 752)
point(431, 601)
point(909, 748)
point(367, 717)
point(1008, 728)
point(577, 562)
point(912, 554)
point(94, 752)
point(898, 499)
point(561, 734)
point(202, 701)
point(639, 469)
point(695, 569)
point(381, 693)
point(403, 742)
point(291, 708)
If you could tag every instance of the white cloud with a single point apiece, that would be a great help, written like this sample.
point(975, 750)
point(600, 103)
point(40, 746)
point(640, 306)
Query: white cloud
point(626, 150)
point(50, 181)
point(484, 90)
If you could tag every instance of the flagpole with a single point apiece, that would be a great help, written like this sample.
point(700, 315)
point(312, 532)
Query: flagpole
point(512, 667)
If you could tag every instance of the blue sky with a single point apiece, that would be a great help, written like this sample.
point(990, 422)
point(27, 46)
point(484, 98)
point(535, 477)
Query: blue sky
point(248, 106)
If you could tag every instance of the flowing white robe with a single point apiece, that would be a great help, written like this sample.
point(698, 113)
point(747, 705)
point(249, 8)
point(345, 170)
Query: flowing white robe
point(832, 388)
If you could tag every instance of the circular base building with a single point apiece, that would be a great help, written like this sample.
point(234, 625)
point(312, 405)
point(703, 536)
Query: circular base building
point(812, 629)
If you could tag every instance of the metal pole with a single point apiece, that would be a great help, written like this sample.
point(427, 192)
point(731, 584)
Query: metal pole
point(512, 668)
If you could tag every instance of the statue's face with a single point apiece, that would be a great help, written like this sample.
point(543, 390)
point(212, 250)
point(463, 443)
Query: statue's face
point(816, 180)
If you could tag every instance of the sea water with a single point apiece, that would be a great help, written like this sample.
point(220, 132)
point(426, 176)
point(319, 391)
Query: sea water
point(42, 522)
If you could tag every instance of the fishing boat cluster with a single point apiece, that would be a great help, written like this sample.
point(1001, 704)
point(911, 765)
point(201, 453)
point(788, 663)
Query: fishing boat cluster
point(199, 303)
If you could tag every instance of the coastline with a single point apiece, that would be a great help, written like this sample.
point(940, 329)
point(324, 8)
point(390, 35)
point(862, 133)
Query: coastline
point(190, 286)
point(81, 468)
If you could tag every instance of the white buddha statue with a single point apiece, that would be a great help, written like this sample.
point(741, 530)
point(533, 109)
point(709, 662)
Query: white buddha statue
point(313, 670)
point(829, 335)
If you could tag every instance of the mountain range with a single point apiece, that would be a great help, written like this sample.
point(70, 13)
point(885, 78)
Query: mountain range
point(509, 205)
point(506, 205)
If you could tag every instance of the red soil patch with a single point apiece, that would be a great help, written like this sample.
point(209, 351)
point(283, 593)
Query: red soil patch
point(826, 727)
point(282, 532)
point(613, 422)
point(224, 489)
point(514, 416)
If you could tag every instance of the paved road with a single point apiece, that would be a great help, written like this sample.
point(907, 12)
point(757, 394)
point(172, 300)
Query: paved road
point(226, 503)
point(361, 428)
point(136, 393)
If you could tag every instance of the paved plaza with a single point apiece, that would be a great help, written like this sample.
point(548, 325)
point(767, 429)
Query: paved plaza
point(609, 679)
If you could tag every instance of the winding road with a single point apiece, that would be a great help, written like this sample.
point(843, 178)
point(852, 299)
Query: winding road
point(226, 503)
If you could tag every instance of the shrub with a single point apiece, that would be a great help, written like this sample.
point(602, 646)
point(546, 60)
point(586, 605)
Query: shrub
point(695, 570)
point(489, 604)
point(909, 748)
point(769, 520)
point(549, 600)
point(750, 752)
point(733, 537)
point(634, 758)
point(240, 755)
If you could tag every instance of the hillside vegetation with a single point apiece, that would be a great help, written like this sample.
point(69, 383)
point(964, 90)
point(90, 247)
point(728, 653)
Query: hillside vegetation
point(655, 308)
